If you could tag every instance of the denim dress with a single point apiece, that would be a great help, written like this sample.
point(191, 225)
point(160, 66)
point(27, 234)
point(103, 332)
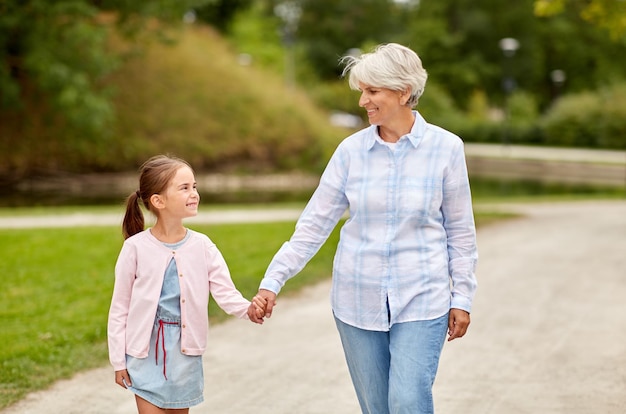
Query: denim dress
point(167, 378)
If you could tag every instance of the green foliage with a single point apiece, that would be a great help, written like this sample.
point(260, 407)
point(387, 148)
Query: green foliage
point(588, 119)
point(56, 52)
point(220, 13)
point(608, 14)
point(329, 28)
point(523, 117)
point(523, 109)
point(438, 107)
point(256, 33)
point(516, 124)
point(54, 59)
point(573, 121)
point(337, 96)
point(482, 130)
point(459, 43)
point(234, 117)
point(84, 87)
point(192, 98)
point(613, 118)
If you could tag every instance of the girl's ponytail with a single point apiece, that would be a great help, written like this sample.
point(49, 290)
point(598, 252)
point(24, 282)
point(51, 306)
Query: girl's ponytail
point(133, 219)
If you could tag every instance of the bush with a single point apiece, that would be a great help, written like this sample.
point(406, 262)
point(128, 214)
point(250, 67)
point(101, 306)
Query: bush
point(573, 121)
point(613, 122)
point(190, 98)
point(588, 119)
point(336, 96)
point(438, 108)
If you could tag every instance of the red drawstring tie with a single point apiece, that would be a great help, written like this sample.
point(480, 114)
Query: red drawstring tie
point(161, 335)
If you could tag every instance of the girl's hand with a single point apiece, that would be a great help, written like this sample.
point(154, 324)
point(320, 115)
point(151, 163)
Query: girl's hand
point(260, 303)
point(256, 311)
point(122, 378)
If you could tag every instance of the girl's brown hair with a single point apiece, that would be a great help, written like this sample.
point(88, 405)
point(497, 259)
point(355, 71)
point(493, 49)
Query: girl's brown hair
point(154, 177)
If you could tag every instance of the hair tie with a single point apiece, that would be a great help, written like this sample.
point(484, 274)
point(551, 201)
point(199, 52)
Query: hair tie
point(138, 194)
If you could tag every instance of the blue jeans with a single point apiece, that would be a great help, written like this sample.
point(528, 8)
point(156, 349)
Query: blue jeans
point(393, 372)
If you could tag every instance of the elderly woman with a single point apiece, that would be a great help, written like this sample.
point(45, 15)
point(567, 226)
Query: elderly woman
point(403, 273)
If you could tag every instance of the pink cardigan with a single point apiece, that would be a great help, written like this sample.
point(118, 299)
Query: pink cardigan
point(139, 273)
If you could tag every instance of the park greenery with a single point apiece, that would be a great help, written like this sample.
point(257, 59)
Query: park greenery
point(248, 85)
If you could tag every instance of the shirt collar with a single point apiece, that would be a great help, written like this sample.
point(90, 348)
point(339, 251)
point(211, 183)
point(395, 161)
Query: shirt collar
point(414, 136)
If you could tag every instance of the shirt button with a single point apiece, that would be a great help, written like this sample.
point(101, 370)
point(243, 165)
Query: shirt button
point(184, 351)
point(183, 301)
point(181, 275)
point(184, 326)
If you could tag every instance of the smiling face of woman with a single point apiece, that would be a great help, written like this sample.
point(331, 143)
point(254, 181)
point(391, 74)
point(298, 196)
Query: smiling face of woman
point(384, 106)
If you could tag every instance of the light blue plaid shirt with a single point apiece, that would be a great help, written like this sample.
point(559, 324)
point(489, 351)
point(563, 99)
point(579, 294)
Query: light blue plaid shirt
point(408, 249)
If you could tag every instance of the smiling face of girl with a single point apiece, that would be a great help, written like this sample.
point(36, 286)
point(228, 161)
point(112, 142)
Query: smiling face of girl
point(181, 197)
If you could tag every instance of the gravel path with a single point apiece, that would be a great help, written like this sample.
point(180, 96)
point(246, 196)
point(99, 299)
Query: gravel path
point(114, 219)
point(546, 337)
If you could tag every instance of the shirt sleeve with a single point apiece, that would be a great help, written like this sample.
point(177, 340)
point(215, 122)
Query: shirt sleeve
point(125, 269)
point(460, 231)
point(318, 219)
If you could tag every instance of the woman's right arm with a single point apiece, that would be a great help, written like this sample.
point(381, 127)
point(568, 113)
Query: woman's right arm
point(320, 216)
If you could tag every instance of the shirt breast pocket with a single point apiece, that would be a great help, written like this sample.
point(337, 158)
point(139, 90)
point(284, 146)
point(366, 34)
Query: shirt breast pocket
point(420, 197)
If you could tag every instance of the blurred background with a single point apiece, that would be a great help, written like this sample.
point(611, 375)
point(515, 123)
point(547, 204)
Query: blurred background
point(90, 89)
point(249, 92)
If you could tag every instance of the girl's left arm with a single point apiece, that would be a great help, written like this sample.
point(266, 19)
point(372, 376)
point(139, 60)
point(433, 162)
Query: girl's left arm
point(222, 287)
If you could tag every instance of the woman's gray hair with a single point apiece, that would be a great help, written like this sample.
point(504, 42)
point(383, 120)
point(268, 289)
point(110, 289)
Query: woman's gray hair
point(390, 66)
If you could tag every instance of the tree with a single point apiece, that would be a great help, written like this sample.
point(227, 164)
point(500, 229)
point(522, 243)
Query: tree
point(329, 28)
point(220, 13)
point(458, 42)
point(55, 55)
point(608, 14)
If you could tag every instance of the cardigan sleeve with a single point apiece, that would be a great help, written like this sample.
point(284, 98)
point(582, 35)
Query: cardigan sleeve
point(222, 287)
point(125, 269)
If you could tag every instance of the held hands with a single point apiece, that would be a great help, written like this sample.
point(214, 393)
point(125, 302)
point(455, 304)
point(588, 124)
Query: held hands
point(262, 306)
point(458, 322)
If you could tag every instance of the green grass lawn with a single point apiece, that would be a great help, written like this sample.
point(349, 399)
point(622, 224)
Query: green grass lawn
point(57, 286)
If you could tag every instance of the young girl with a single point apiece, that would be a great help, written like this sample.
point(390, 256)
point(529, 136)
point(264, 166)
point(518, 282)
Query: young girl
point(158, 322)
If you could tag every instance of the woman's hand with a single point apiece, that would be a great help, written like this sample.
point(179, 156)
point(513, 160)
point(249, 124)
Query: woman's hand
point(458, 322)
point(122, 378)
